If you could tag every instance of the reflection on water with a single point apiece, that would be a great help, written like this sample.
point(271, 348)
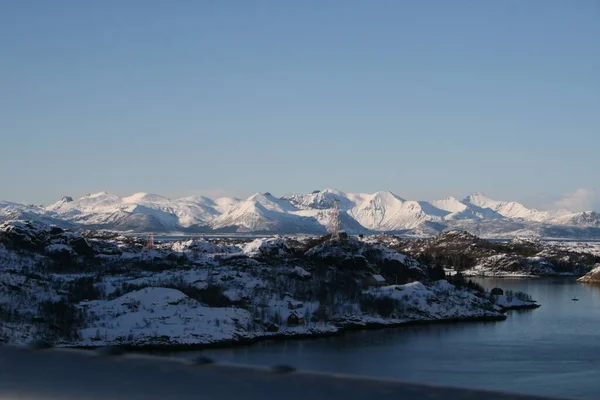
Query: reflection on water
point(553, 350)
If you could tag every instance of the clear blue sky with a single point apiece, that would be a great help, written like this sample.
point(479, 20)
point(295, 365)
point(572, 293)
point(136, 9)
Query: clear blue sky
point(424, 98)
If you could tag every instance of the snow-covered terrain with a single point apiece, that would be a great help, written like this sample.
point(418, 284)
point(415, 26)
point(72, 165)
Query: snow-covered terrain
point(522, 257)
point(513, 301)
point(360, 213)
point(101, 288)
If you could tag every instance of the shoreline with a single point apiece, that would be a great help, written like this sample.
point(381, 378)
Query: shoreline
point(532, 306)
point(248, 341)
point(516, 276)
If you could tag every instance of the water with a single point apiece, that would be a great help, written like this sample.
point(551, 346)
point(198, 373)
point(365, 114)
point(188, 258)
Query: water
point(552, 351)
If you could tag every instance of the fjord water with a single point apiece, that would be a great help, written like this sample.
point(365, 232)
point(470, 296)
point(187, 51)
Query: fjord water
point(551, 351)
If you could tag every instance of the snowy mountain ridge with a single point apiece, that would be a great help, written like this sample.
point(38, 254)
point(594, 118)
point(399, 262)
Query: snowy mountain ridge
point(309, 213)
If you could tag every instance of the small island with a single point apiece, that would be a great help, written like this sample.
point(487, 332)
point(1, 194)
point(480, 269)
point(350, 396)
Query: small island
point(509, 300)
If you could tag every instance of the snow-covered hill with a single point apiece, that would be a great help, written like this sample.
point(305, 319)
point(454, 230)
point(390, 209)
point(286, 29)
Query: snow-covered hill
point(508, 209)
point(309, 213)
point(102, 289)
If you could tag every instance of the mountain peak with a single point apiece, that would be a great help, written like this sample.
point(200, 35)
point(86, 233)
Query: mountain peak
point(256, 197)
point(387, 195)
point(94, 195)
point(332, 191)
point(477, 195)
point(271, 202)
point(481, 200)
point(59, 204)
point(449, 204)
point(145, 197)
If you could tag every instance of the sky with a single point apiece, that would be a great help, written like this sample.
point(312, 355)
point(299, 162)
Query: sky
point(221, 97)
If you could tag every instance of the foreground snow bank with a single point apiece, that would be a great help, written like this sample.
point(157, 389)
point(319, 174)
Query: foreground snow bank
point(154, 315)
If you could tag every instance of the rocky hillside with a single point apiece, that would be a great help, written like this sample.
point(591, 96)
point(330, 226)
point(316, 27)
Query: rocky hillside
point(593, 276)
point(98, 288)
point(471, 255)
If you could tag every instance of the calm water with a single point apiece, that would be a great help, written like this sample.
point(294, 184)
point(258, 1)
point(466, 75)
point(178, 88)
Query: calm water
point(553, 351)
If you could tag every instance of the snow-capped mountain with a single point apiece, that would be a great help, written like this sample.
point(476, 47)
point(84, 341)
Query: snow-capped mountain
point(384, 211)
point(264, 213)
point(586, 219)
point(450, 205)
point(140, 211)
point(16, 211)
point(508, 209)
point(307, 213)
point(325, 199)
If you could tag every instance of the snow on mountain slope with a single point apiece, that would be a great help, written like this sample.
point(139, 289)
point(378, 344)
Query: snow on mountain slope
point(122, 220)
point(158, 207)
point(7, 207)
point(195, 210)
point(164, 216)
point(301, 213)
point(224, 204)
point(305, 213)
point(265, 213)
point(449, 204)
point(508, 209)
point(272, 203)
point(16, 211)
point(429, 209)
point(187, 211)
point(450, 209)
point(586, 219)
point(481, 200)
point(324, 199)
point(384, 211)
point(325, 217)
point(146, 198)
point(105, 209)
point(60, 204)
point(92, 202)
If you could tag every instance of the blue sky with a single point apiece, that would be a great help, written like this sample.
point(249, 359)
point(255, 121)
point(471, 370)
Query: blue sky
point(426, 99)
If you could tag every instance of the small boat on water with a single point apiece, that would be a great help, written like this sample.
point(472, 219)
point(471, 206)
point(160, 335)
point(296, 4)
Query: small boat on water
point(575, 299)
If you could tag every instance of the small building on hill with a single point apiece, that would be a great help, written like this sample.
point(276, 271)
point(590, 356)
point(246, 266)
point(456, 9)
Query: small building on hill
point(295, 319)
point(374, 280)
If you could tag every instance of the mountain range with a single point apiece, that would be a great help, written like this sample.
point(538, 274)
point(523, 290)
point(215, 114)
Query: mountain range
point(309, 213)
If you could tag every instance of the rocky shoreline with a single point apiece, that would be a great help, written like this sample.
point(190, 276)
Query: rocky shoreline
point(592, 277)
point(520, 307)
point(316, 334)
